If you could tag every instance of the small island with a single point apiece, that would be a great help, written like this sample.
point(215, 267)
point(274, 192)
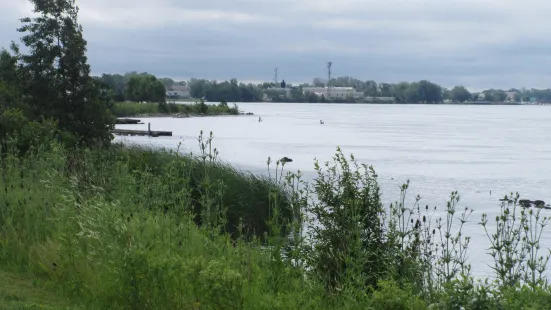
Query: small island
point(172, 109)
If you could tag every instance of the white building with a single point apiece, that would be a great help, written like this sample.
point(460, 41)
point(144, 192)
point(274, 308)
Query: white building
point(276, 92)
point(335, 92)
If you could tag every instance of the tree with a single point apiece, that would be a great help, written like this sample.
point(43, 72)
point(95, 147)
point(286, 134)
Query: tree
point(399, 91)
point(446, 94)
point(55, 74)
point(385, 89)
point(318, 82)
point(371, 89)
point(488, 95)
point(145, 88)
point(495, 95)
point(8, 67)
point(9, 96)
point(500, 95)
point(168, 83)
point(429, 92)
point(230, 90)
point(460, 94)
point(116, 85)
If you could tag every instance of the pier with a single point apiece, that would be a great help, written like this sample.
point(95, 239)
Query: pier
point(148, 132)
point(128, 121)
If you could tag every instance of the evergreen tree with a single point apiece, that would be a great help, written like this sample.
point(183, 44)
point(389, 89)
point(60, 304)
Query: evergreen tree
point(56, 75)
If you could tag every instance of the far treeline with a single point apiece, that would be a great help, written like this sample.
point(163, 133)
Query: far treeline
point(135, 86)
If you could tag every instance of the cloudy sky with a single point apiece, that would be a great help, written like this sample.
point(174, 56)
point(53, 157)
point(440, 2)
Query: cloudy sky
point(475, 43)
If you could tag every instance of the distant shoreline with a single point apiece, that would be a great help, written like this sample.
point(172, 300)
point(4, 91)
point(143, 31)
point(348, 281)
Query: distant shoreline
point(395, 103)
point(128, 120)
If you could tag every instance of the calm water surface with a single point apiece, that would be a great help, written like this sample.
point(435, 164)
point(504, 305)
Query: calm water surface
point(484, 152)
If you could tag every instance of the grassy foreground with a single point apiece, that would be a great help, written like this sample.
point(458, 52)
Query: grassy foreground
point(130, 228)
point(19, 291)
point(126, 109)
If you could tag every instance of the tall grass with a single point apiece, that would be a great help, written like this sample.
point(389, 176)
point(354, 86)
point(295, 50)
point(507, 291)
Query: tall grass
point(134, 228)
point(125, 109)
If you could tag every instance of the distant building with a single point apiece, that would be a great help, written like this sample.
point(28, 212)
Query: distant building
point(178, 87)
point(275, 92)
point(177, 94)
point(380, 99)
point(334, 92)
point(511, 96)
point(178, 91)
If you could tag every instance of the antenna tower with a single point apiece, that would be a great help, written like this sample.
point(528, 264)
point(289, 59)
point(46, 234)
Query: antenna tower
point(275, 75)
point(329, 78)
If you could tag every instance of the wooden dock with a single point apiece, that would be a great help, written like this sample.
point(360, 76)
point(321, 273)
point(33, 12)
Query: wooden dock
point(128, 121)
point(148, 132)
point(131, 132)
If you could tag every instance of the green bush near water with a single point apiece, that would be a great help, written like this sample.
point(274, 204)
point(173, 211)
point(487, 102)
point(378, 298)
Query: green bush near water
point(243, 197)
point(127, 109)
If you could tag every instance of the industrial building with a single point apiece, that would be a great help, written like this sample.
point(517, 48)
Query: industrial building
point(334, 92)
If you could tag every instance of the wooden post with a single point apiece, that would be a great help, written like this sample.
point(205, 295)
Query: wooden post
point(148, 129)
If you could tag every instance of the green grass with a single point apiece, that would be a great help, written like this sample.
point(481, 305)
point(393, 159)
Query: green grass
point(127, 109)
point(19, 291)
point(117, 235)
point(134, 228)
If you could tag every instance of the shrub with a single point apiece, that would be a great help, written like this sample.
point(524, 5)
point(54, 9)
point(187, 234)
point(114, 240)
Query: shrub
point(349, 237)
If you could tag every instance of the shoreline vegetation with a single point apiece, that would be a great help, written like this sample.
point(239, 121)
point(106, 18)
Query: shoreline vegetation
point(128, 227)
point(103, 225)
point(135, 86)
point(150, 109)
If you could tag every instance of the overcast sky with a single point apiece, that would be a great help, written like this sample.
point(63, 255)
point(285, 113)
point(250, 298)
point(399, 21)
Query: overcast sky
point(475, 43)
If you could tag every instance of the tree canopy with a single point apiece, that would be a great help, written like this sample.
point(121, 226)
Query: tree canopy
point(145, 88)
point(460, 94)
point(224, 91)
point(52, 79)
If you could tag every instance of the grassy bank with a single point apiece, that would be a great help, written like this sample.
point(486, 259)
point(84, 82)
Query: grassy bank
point(20, 291)
point(132, 228)
point(127, 109)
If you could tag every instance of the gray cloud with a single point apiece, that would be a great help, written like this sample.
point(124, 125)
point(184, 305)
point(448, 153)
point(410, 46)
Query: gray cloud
point(479, 44)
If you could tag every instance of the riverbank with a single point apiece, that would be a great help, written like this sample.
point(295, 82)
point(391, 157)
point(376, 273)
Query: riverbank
point(20, 291)
point(127, 120)
point(153, 229)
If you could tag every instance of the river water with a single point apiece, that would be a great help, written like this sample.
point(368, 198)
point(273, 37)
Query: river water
point(484, 152)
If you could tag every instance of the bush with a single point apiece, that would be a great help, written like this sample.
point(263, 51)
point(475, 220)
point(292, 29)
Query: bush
point(349, 213)
point(390, 296)
point(17, 131)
